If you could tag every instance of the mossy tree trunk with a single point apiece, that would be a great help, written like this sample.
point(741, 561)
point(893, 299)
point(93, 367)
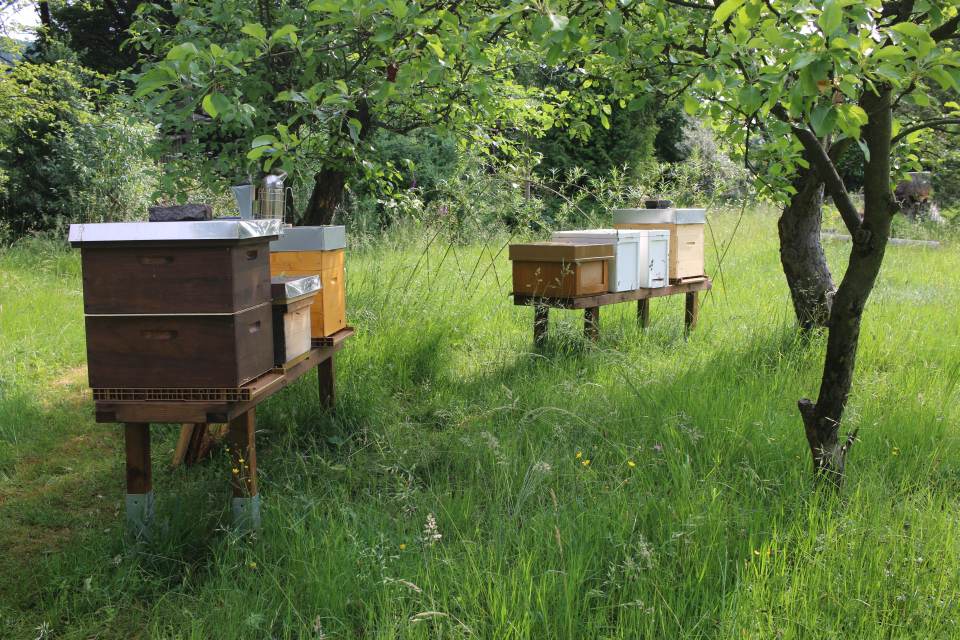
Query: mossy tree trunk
point(801, 253)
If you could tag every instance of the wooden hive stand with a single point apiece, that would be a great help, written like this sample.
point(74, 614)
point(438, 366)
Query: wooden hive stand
point(591, 306)
point(137, 409)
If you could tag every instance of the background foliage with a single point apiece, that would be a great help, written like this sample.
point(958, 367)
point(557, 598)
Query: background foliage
point(69, 150)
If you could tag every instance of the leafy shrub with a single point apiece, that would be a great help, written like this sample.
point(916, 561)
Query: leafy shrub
point(68, 152)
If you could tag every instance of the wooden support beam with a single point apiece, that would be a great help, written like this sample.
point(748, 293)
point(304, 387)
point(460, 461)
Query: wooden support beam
point(643, 313)
point(691, 311)
point(541, 321)
point(241, 441)
point(591, 323)
point(139, 499)
point(243, 454)
point(139, 471)
point(326, 382)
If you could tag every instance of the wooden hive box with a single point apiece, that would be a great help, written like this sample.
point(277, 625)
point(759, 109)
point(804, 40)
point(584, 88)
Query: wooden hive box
point(218, 351)
point(292, 300)
point(686, 227)
point(177, 304)
point(306, 251)
point(560, 270)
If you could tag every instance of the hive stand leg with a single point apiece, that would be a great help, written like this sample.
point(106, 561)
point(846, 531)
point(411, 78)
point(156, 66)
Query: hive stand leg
point(643, 313)
point(541, 320)
point(691, 311)
point(139, 501)
point(243, 471)
point(326, 381)
point(591, 323)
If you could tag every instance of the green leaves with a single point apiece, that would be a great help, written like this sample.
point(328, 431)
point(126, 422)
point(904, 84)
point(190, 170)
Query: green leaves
point(153, 79)
point(726, 9)
point(823, 119)
point(831, 18)
point(182, 51)
point(215, 104)
point(254, 30)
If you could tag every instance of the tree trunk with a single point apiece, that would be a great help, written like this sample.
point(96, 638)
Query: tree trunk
point(822, 420)
point(329, 183)
point(43, 8)
point(327, 195)
point(801, 253)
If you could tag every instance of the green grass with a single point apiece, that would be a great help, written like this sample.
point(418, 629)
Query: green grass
point(445, 409)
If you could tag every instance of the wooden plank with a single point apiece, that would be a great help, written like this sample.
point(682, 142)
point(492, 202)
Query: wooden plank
point(612, 298)
point(591, 323)
point(643, 312)
point(139, 470)
point(241, 442)
point(691, 311)
point(183, 441)
point(541, 322)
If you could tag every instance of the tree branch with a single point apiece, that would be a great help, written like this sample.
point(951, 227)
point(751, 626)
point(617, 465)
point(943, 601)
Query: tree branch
point(947, 30)
point(926, 124)
point(831, 179)
point(692, 5)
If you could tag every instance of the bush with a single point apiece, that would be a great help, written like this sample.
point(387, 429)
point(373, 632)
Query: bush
point(68, 151)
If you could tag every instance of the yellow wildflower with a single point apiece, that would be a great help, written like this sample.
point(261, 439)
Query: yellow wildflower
point(631, 463)
point(579, 455)
point(402, 546)
point(585, 462)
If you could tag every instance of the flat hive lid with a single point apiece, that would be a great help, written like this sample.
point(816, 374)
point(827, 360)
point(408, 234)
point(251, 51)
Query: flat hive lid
point(284, 288)
point(659, 216)
point(200, 231)
point(594, 236)
point(561, 252)
point(323, 238)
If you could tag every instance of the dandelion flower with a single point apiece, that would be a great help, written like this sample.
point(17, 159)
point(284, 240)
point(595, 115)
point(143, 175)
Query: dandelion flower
point(585, 462)
point(252, 565)
point(579, 455)
point(403, 546)
point(631, 463)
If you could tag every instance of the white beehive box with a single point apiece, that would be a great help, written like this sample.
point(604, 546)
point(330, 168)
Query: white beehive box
point(640, 257)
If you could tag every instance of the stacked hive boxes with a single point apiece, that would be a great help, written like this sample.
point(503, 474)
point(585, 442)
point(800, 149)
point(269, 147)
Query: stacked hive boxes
point(640, 257)
point(177, 304)
point(646, 249)
point(316, 251)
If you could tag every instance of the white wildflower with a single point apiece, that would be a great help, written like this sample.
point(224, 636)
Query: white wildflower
point(431, 533)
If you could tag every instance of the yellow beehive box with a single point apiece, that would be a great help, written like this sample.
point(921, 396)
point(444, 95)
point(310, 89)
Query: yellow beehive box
point(292, 256)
